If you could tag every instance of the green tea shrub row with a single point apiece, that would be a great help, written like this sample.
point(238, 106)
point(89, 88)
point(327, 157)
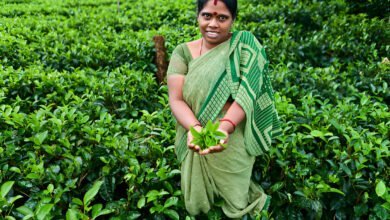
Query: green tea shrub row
point(317, 34)
point(332, 155)
point(62, 131)
point(76, 39)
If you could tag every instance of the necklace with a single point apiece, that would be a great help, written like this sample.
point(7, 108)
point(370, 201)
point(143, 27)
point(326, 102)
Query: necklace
point(201, 46)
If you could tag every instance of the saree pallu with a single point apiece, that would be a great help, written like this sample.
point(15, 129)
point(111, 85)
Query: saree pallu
point(223, 72)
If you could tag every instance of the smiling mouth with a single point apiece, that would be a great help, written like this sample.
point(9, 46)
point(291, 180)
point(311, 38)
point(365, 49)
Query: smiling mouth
point(212, 34)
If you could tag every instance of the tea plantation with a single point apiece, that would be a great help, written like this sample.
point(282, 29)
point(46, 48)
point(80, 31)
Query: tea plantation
point(86, 131)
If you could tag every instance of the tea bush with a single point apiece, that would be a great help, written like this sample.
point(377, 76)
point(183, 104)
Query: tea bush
point(86, 132)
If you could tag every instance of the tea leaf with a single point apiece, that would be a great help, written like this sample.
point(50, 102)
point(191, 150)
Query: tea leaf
point(172, 214)
point(43, 211)
point(316, 133)
point(26, 211)
point(219, 135)
point(346, 169)
point(141, 202)
point(209, 136)
point(96, 209)
point(380, 188)
point(209, 141)
point(209, 126)
point(77, 201)
point(71, 214)
point(195, 133)
point(172, 201)
point(5, 188)
point(91, 193)
point(14, 198)
point(40, 138)
point(198, 142)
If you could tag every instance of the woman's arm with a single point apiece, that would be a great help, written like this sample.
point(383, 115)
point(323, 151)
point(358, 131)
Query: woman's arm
point(180, 109)
point(236, 114)
point(182, 112)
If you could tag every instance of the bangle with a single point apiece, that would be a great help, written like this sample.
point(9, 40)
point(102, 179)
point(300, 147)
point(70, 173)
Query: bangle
point(230, 121)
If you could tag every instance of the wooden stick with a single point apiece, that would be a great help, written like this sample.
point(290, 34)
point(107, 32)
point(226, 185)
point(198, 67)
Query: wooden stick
point(161, 58)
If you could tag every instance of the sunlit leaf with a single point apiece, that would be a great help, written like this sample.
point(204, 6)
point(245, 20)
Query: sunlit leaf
point(380, 188)
point(91, 193)
point(5, 188)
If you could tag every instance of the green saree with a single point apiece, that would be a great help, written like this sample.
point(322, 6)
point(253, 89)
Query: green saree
point(235, 68)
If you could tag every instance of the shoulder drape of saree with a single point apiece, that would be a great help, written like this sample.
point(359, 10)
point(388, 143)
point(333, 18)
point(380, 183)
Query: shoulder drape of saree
point(250, 86)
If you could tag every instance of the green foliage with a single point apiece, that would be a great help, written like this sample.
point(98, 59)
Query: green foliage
point(208, 136)
point(383, 192)
point(86, 132)
point(76, 212)
point(6, 202)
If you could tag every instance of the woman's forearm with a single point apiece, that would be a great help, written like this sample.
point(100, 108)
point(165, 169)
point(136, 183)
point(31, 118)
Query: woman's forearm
point(183, 114)
point(236, 114)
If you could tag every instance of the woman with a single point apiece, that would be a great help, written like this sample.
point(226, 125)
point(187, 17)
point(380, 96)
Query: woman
point(221, 76)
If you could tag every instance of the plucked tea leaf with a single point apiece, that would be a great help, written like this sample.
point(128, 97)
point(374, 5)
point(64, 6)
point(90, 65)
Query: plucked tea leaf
point(210, 141)
point(219, 135)
point(209, 126)
point(209, 136)
point(195, 133)
point(198, 142)
point(215, 127)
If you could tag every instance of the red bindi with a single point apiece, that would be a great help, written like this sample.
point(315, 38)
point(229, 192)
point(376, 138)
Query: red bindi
point(215, 2)
point(215, 13)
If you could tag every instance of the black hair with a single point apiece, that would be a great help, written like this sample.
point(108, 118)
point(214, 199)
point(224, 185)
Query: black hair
point(230, 4)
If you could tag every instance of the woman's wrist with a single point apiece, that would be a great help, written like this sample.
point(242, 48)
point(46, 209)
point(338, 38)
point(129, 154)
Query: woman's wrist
point(196, 124)
point(227, 125)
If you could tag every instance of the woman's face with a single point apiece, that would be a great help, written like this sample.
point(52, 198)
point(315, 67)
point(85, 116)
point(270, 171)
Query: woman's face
point(215, 22)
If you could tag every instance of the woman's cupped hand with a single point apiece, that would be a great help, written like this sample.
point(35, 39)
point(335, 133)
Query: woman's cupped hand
point(211, 149)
